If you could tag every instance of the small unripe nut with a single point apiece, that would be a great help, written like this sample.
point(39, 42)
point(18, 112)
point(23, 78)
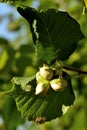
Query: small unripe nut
point(58, 84)
point(42, 88)
point(46, 72)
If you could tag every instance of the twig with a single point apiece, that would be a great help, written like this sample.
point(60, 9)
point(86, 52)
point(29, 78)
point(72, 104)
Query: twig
point(75, 70)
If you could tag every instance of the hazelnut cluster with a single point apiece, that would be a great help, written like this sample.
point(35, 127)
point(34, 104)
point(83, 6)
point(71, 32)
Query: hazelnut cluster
point(45, 80)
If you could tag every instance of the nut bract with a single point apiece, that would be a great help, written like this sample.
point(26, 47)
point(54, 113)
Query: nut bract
point(39, 78)
point(46, 72)
point(58, 71)
point(58, 84)
point(42, 88)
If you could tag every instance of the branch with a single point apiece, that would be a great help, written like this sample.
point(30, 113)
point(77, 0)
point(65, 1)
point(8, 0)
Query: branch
point(75, 70)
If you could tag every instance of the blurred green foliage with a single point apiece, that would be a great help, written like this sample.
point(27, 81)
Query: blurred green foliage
point(17, 58)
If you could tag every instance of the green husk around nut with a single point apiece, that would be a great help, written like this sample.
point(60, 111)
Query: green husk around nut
point(39, 78)
point(58, 84)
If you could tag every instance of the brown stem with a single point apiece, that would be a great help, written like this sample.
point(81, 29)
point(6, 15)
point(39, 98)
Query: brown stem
point(75, 70)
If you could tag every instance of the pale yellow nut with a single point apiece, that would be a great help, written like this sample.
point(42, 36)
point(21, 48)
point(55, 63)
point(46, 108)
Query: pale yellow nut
point(46, 72)
point(58, 84)
point(41, 89)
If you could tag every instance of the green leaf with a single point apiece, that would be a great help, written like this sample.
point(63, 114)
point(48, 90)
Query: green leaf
point(11, 114)
point(25, 83)
point(76, 117)
point(46, 55)
point(3, 59)
point(34, 106)
point(54, 31)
